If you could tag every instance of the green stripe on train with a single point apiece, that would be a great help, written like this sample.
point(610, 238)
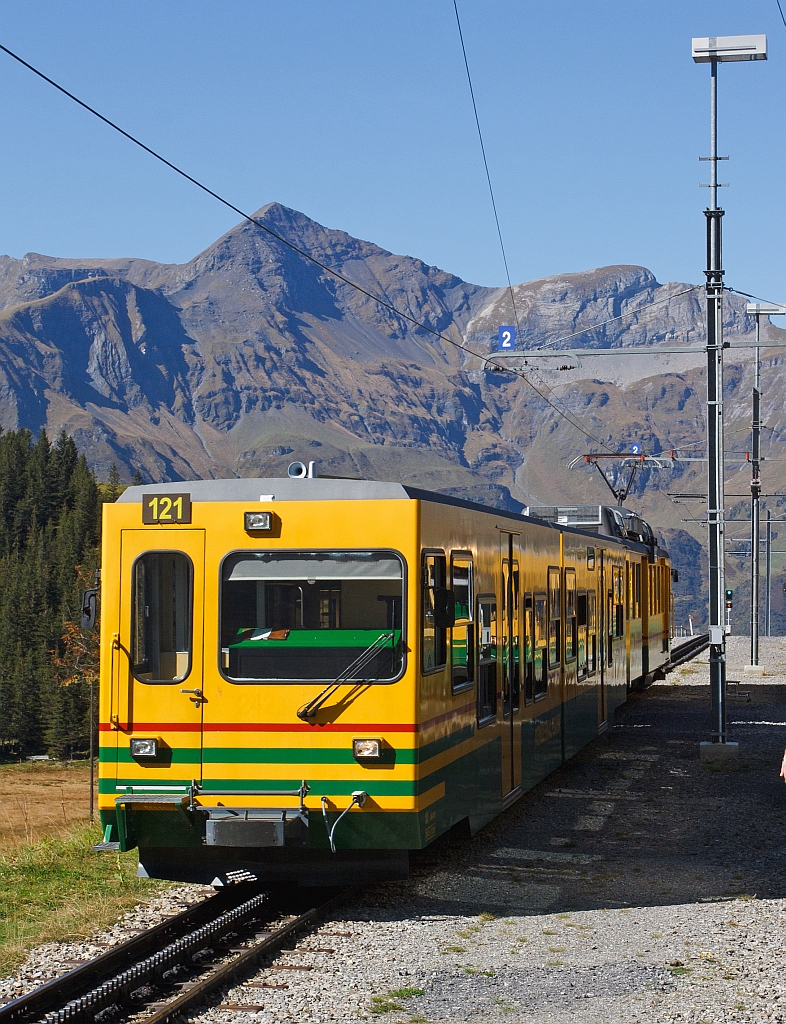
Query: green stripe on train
point(285, 755)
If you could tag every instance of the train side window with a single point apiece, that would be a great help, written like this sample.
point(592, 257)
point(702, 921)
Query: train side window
point(637, 589)
point(161, 617)
point(592, 632)
point(571, 637)
point(487, 659)
point(555, 616)
point(541, 644)
point(581, 622)
point(462, 635)
point(434, 634)
point(529, 649)
point(618, 622)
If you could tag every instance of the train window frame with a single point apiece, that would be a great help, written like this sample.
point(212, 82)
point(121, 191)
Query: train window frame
point(618, 603)
point(582, 621)
point(570, 619)
point(540, 600)
point(251, 549)
point(528, 628)
point(463, 623)
point(189, 618)
point(491, 718)
point(439, 666)
point(592, 632)
point(554, 621)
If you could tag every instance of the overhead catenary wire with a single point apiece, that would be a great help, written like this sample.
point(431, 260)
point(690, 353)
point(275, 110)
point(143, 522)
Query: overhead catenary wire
point(566, 413)
point(301, 252)
point(486, 165)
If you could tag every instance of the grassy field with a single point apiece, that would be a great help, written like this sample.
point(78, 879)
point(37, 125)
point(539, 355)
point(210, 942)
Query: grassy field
point(41, 800)
point(53, 886)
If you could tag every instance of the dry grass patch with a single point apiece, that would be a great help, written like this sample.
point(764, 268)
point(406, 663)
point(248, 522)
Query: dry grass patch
point(41, 799)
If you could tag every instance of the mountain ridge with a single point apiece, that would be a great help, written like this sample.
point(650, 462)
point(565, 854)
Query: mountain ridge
point(249, 356)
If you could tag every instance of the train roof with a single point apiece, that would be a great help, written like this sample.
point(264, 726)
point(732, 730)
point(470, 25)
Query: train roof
point(598, 520)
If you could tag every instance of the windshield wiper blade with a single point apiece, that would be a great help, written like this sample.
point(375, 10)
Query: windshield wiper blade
point(309, 710)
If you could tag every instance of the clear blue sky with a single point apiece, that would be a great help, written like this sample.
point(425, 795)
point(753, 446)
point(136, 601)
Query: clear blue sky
point(357, 113)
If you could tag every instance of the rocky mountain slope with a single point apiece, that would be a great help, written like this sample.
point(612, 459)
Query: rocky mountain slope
point(250, 356)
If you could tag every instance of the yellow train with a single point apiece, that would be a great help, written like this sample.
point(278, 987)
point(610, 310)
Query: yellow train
point(304, 679)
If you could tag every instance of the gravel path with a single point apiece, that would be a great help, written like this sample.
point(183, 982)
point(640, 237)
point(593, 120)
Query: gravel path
point(633, 885)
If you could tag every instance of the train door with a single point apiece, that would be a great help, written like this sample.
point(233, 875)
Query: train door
point(512, 663)
point(157, 659)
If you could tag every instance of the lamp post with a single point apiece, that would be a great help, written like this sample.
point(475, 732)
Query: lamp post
point(757, 309)
point(714, 50)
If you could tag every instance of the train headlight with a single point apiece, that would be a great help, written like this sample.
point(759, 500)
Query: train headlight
point(144, 748)
point(258, 522)
point(367, 750)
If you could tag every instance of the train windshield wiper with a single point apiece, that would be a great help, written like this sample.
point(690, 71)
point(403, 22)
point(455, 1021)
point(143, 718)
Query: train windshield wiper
point(309, 710)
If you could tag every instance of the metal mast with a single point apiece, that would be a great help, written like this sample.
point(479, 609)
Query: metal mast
point(713, 50)
point(755, 494)
point(715, 453)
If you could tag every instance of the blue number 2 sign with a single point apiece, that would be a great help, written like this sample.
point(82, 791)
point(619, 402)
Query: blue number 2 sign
point(506, 338)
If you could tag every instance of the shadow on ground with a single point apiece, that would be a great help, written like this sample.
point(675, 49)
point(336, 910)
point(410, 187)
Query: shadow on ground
point(634, 820)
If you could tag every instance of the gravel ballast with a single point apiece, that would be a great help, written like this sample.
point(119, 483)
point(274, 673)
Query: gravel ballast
point(635, 884)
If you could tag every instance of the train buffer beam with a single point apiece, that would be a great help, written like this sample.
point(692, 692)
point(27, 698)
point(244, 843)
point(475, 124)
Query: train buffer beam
point(718, 753)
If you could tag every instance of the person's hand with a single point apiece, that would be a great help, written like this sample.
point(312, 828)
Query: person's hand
point(783, 767)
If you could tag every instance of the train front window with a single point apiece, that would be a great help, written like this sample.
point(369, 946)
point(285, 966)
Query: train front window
point(312, 615)
point(161, 617)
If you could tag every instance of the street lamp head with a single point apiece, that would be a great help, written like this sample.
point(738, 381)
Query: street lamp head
point(765, 309)
point(728, 48)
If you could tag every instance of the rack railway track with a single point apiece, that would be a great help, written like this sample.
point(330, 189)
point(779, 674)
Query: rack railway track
point(173, 967)
point(688, 650)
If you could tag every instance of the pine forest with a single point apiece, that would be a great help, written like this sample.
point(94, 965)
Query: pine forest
point(50, 521)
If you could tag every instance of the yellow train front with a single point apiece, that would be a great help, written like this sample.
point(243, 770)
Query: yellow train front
point(278, 652)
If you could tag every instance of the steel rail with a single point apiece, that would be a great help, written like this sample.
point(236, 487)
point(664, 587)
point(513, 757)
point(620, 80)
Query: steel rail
point(687, 651)
point(113, 979)
point(248, 959)
point(60, 990)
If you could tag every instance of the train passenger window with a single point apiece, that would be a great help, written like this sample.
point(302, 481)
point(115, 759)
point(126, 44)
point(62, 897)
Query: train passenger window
point(511, 638)
point(592, 633)
point(462, 635)
point(487, 659)
point(434, 633)
point(570, 615)
point(638, 590)
point(555, 617)
point(618, 614)
point(581, 623)
point(529, 650)
point(161, 617)
point(541, 644)
point(294, 615)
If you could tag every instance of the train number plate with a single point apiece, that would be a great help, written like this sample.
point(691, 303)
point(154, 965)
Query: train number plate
point(166, 508)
